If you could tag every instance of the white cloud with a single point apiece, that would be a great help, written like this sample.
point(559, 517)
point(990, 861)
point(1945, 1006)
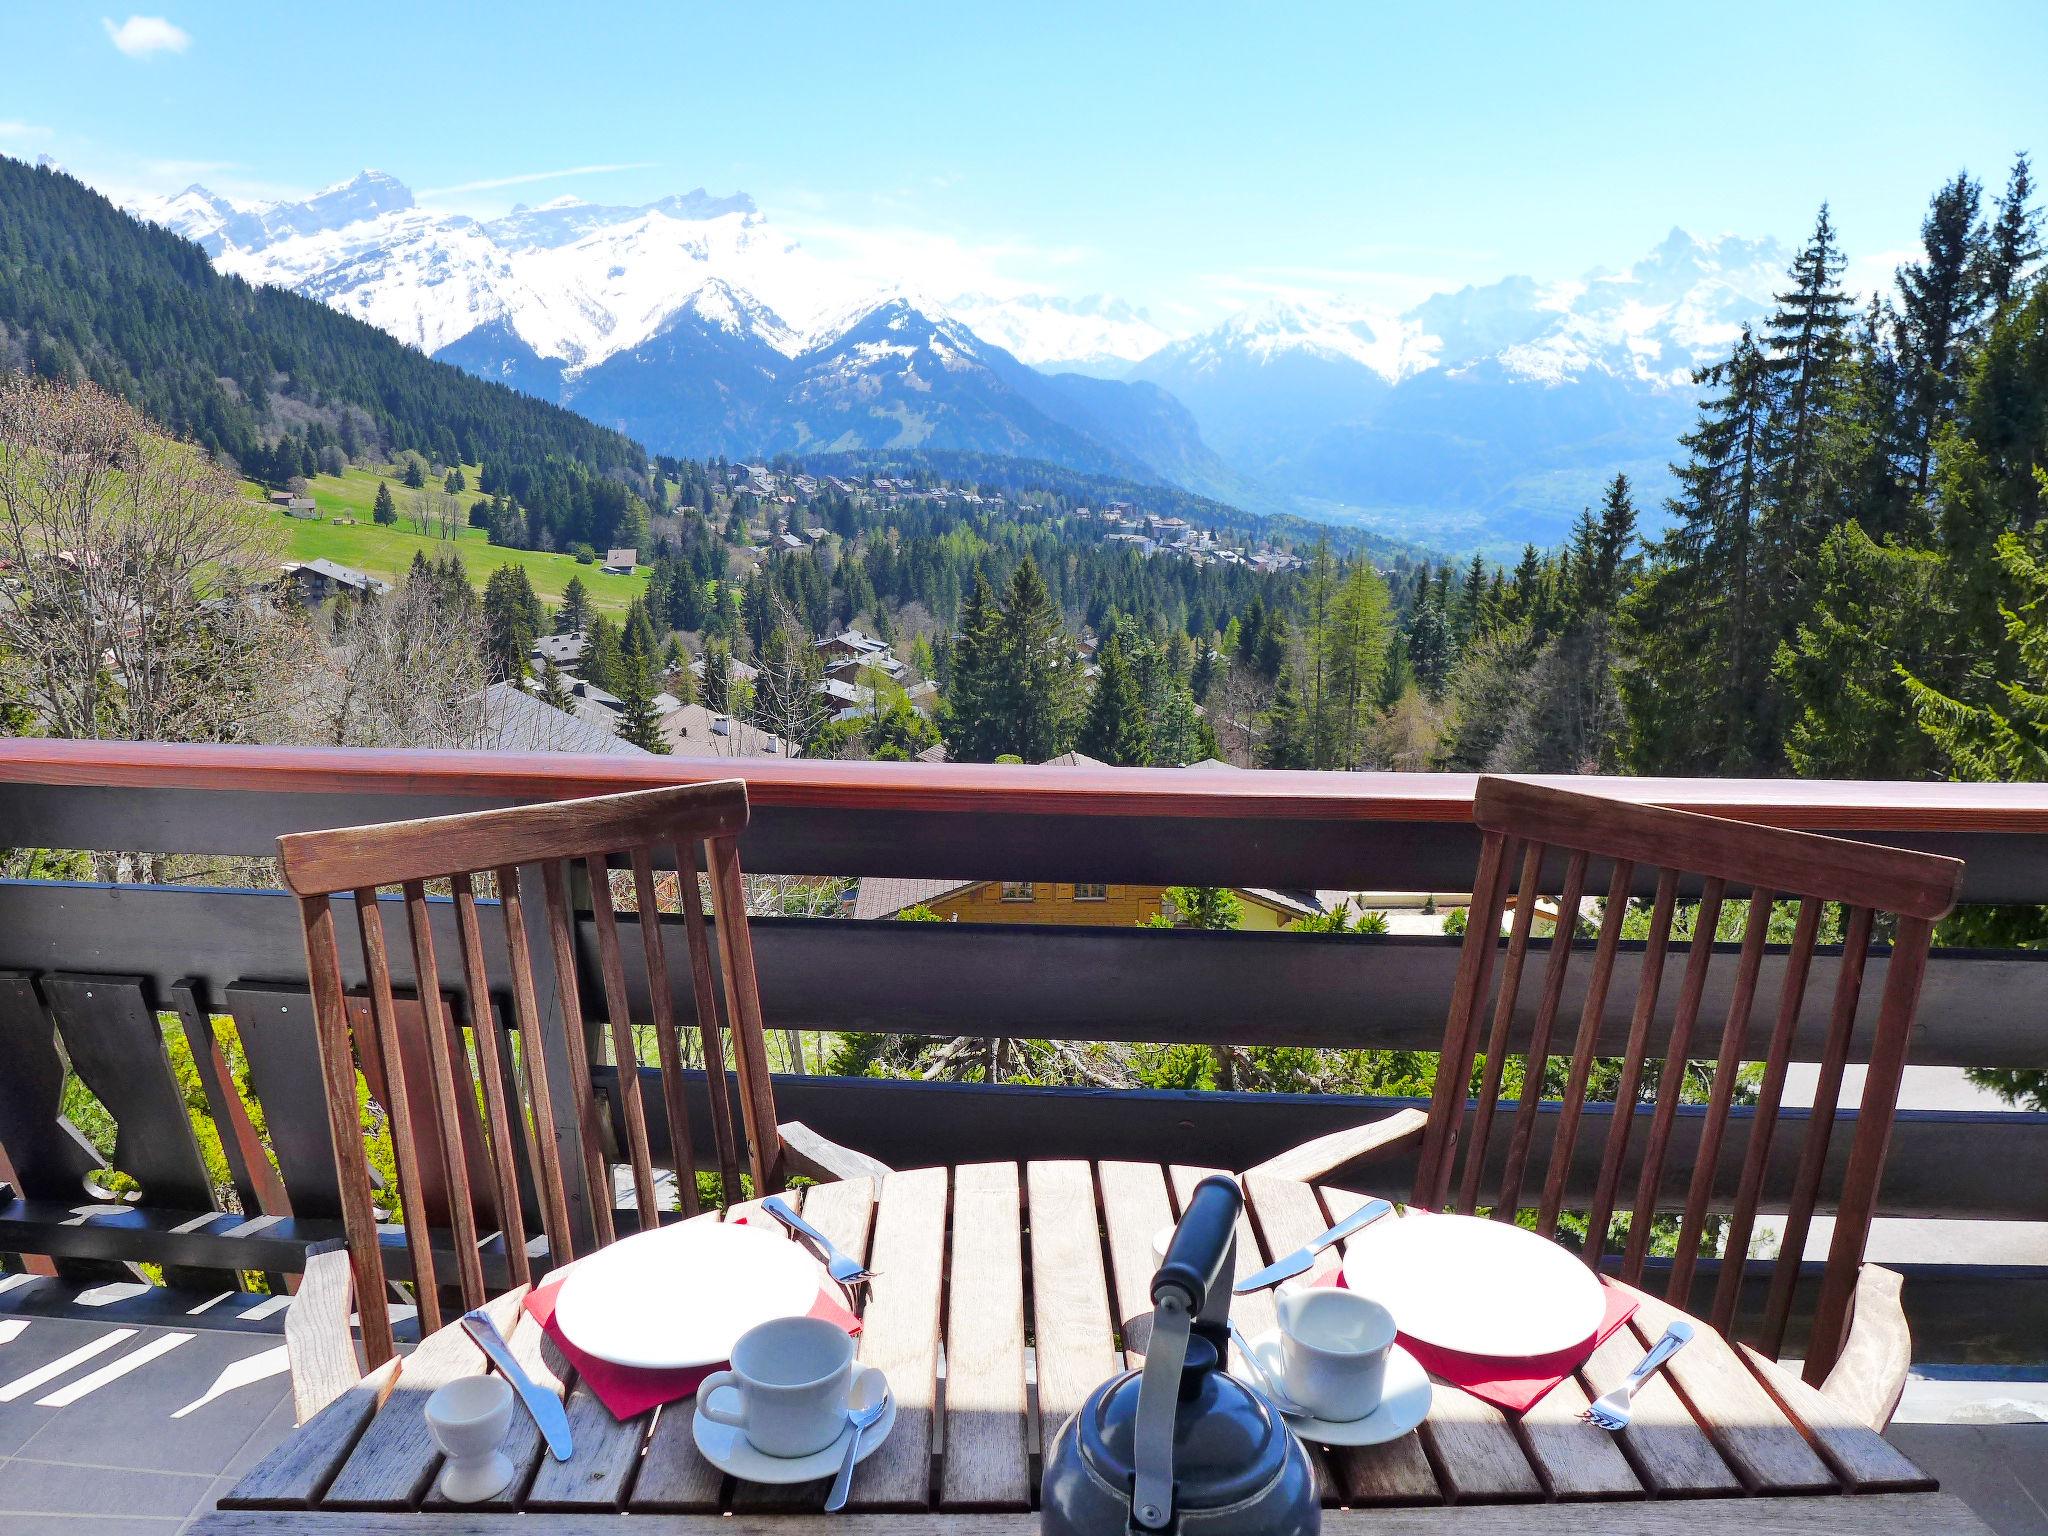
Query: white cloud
point(141, 36)
point(13, 131)
point(493, 182)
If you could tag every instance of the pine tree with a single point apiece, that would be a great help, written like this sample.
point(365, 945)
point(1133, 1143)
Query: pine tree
point(456, 483)
point(1036, 681)
point(1115, 723)
point(970, 707)
point(1700, 692)
point(2013, 243)
point(640, 637)
point(574, 614)
point(718, 677)
point(604, 664)
point(1939, 302)
point(1285, 744)
point(554, 688)
point(638, 723)
point(1807, 342)
point(385, 511)
point(509, 622)
point(415, 472)
point(1114, 728)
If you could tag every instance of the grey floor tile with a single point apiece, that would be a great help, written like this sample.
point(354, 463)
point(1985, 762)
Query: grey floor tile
point(1988, 1467)
point(63, 1488)
point(134, 1413)
point(264, 1439)
point(29, 1352)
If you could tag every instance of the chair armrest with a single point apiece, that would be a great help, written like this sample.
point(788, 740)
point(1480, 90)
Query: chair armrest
point(1870, 1374)
point(317, 1340)
point(1326, 1154)
point(817, 1157)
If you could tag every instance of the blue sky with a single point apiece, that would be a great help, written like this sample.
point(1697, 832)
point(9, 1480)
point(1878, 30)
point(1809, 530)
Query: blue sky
point(1185, 156)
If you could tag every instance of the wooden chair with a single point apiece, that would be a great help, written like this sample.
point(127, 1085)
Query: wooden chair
point(1542, 842)
point(541, 1147)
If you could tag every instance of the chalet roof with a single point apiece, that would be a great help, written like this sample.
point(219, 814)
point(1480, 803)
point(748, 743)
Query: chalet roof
point(347, 576)
point(562, 649)
point(694, 731)
point(515, 721)
point(885, 897)
point(1074, 760)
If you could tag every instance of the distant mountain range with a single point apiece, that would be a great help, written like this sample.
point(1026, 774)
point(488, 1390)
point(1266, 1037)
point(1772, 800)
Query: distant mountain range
point(1477, 419)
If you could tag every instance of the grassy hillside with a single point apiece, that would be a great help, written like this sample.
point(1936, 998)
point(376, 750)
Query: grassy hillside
point(388, 551)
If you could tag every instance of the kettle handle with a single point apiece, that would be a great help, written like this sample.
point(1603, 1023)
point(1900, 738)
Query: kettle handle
point(1202, 1243)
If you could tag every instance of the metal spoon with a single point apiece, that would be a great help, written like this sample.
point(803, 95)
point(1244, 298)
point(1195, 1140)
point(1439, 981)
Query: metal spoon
point(1274, 1392)
point(874, 1392)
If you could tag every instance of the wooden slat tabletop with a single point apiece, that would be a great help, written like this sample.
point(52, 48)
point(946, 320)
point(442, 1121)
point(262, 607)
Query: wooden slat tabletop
point(993, 1277)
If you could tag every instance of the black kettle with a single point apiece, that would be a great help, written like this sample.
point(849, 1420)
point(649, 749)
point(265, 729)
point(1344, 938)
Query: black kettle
point(1180, 1448)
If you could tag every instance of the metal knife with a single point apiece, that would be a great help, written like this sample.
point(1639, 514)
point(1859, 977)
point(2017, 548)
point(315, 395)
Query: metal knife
point(1298, 1261)
point(545, 1407)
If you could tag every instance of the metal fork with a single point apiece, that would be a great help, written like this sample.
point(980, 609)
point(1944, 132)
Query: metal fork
point(847, 1272)
point(1610, 1409)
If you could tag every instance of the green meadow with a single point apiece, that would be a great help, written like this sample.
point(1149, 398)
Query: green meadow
point(388, 551)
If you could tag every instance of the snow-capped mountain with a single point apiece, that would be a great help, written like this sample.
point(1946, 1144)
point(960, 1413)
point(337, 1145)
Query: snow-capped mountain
point(1485, 415)
point(1094, 334)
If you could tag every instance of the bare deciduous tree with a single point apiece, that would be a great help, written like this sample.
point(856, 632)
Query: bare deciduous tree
point(786, 697)
point(436, 511)
point(405, 670)
point(138, 604)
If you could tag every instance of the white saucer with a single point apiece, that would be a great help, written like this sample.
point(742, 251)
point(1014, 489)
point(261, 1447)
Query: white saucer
point(728, 1449)
point(1403, 1404)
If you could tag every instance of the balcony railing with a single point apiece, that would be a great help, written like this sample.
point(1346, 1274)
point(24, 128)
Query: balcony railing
point(202, 950)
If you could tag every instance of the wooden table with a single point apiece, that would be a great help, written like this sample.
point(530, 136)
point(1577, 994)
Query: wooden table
point(951, 1247)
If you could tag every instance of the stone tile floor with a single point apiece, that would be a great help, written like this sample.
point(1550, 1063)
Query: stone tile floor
point(125, 1413)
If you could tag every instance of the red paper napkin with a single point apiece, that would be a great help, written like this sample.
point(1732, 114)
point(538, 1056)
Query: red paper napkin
point(1514, 1384)
point(628, 1391)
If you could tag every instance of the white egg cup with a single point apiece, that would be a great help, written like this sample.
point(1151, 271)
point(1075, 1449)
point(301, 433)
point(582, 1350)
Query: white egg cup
point(468, 1419)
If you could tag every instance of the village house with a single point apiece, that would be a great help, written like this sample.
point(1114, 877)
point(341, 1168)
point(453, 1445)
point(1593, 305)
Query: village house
point(314, 581)
point(621, 562)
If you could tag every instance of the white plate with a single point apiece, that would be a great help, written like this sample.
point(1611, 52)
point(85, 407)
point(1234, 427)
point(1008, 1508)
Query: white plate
point(728, 1449)
point(1478, 1287)
point(680, 1296)
point(1404, 1401)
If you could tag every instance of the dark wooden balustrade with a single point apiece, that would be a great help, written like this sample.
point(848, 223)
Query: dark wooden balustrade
point(192, 950)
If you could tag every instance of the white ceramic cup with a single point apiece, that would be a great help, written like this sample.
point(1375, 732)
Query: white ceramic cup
point(468, 1418)
point(1334, 1346)
point(791, 1377)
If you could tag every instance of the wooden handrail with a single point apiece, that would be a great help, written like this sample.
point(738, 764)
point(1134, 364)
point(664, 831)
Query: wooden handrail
point(1832, 805)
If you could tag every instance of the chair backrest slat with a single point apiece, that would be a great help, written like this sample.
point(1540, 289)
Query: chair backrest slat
point(466, 1170)
point(1538, 1062)
point(526, 1019)
point(1475, 965)
point(451, 1094)
point(723, 1138)
point(611, 967)
point(594, 1172)
point(1756, 929)
point(1820, 1129)
point(1590, 1017)
point(1764, 1120)
point(1621, 1125)
point(743, 1013)
point(387, 1080)
point(647, 898)
point(1671, 1086)
point(1526, 825)
point(1503, 1024)
point(490, 1054)
point(338, 1072)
